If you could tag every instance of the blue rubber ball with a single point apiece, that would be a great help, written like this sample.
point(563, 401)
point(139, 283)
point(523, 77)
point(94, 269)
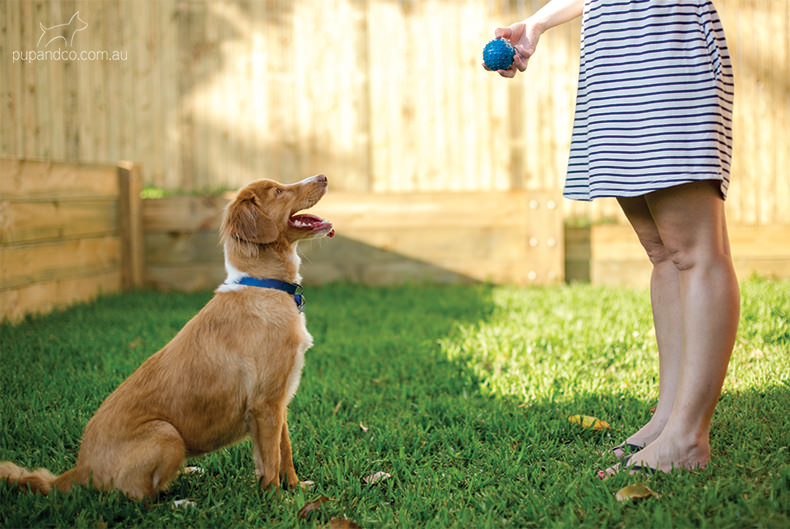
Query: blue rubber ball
point(498, 54)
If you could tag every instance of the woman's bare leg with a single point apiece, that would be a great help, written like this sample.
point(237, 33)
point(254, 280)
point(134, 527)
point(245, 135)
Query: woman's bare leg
point(667, 319)
point(691, 225)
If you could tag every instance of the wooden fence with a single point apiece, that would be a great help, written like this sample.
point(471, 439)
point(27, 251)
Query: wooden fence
point(386, 97)
point(71, 231)
point(381, 95)
point(512, 237)
point(68, 232)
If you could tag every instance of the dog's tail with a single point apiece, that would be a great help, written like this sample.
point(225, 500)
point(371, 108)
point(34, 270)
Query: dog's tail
point(38, 481)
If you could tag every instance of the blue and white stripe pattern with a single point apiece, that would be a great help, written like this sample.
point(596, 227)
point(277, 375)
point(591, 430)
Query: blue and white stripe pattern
point(654, 103)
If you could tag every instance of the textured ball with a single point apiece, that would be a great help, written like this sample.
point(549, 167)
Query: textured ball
point(498, 54)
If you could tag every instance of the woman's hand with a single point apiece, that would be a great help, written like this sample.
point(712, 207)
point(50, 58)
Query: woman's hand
point(524, 37)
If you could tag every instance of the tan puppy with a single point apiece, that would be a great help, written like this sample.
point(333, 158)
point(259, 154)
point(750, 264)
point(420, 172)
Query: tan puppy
point(229, 373)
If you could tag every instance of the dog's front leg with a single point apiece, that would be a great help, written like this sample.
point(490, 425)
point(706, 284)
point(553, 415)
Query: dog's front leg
point(287, 470)
point(266, 422)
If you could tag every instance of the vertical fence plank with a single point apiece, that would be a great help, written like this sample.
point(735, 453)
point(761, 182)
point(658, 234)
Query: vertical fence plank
point(57, 118)
point(128, 101)
point(169, 131)
point(8, 49)
point(140, 63)
point(386, 24)
point(15, 127)
point(157, 112)
point(41, 87)
point(210, 93)
point(763, 159)
point(780, 44)
point(108, 116)
point(90, 74)
point(130, 225)
point(28, 37)
point(363, 54)
point(186, 74)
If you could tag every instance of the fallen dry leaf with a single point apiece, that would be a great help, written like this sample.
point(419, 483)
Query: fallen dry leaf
point(635, 492)
point(183, 503)
point(363, 427)
point(375, 478)
point(342, 523)
point(589, 422)
point(193, 470)
point(311, 506)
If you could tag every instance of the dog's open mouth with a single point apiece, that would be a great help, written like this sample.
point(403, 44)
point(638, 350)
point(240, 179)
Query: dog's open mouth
point(311, 223)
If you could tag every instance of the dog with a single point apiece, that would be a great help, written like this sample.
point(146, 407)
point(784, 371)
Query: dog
point(229, 373)
point(61, 31)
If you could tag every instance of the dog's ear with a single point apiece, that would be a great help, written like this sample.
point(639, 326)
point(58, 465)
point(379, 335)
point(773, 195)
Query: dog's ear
point(245, 221)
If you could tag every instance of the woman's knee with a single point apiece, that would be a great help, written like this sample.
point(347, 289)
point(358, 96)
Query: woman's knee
point(680, 248)
point(690, 221)
point(641, 220)
point(683, 258)
point(657, 252)
point(688, 251)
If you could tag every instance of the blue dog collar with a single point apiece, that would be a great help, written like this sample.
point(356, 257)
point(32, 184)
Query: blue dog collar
point(294, 289)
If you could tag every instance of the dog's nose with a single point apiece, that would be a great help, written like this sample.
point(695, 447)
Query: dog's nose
point(321, 179)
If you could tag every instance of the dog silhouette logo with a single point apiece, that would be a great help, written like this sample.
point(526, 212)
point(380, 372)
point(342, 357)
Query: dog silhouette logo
point(61, 31)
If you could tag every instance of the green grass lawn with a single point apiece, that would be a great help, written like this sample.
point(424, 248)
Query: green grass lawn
point(460, 393)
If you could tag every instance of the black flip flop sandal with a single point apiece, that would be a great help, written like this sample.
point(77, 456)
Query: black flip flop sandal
point(626, 448)
point(631, 469)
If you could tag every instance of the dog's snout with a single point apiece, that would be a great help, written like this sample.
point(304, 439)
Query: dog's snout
point(317, 179)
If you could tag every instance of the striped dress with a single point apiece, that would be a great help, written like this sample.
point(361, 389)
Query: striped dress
point(654, 102)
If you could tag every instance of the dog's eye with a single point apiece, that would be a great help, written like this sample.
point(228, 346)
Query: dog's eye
point(278, 191)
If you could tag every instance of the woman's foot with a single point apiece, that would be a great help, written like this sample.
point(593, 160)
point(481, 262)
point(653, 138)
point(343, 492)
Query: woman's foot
point(624, 465)
point(639, 440)
point(662, 456)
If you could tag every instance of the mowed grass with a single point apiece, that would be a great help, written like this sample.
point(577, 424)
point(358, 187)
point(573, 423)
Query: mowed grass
point(460, 393)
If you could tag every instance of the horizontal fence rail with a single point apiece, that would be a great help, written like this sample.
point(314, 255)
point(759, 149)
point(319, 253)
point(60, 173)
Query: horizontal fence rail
point(68, 232)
